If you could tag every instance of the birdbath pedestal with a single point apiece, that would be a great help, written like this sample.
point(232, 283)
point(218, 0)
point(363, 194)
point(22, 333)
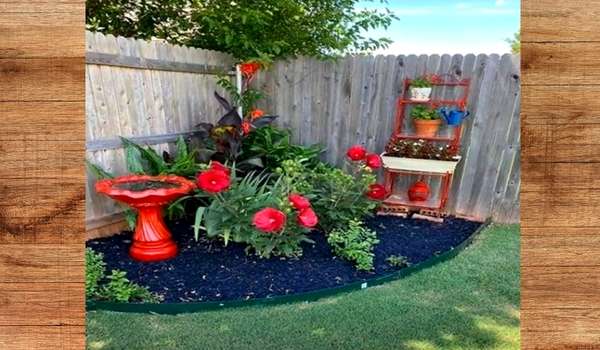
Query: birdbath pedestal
point(148, 195)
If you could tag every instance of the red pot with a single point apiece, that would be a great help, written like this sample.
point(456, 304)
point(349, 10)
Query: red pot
point(418, 192)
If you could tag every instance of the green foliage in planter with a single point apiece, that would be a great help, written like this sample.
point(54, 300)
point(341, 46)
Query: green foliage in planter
point(421, 82)
point(273, 146)
point(354, 243)
point(424, 113)
point(397, 261)
point(248, 29)
point(420, 149)
point(115, 287)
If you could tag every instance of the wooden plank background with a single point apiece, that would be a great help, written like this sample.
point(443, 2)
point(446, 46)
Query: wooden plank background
point(335, 104)
point(561, 162)
point(42, 176)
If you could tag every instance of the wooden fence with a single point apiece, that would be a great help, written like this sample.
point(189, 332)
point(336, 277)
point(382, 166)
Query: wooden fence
point(338, 104)
point(154, 91)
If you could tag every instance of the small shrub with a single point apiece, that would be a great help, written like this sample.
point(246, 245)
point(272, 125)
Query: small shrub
point(354, 243)
point(237, 214)
point(397, 261)
point(94, 271)
point(273, 146)
point(120, 289)
point(340, 197)
point(424, 113)
point(116, 287)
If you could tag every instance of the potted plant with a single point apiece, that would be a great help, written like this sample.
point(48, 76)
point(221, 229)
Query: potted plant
point(427, 121)
point(420, 155)
point(420, 88)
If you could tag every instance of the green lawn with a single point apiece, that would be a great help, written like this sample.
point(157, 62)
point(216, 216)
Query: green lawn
point(469, 302)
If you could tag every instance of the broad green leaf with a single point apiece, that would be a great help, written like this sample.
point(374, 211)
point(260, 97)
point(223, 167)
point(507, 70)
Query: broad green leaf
point(198, 221)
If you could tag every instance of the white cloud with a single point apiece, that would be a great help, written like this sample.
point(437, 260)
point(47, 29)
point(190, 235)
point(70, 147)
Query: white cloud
point(500, 3)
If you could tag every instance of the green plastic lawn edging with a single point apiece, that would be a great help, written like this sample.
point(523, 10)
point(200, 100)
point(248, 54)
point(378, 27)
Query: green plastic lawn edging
point(178, 308)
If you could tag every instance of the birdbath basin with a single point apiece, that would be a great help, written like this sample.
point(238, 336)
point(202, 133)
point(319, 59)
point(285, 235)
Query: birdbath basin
point(148, 195)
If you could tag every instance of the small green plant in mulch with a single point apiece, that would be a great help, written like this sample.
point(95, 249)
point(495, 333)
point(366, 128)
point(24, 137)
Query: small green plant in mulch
point(354, 243)
point(114, 287)
point(398, 261)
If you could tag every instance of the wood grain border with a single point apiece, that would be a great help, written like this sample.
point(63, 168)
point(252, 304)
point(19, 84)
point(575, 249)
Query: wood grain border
point(560, 193)
point(42, 142)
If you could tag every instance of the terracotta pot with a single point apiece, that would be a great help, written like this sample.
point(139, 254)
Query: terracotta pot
point(427, 128)
point(418, 192)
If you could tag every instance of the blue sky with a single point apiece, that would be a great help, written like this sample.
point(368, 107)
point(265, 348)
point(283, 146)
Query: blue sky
point(449, 26)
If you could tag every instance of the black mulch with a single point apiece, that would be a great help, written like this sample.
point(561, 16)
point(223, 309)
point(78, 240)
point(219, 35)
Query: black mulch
point(207, 271)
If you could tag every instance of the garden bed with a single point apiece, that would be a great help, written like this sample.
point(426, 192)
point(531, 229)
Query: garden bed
point(205, 271)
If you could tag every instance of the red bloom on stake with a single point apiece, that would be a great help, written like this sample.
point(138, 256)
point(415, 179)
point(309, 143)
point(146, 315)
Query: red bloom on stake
point(218, 166)
point(213, 181)
point(299, 202)
point(373, 161)
point(269, 220)
point(249, 68)
point(256, 113)
point(376, 192)
point(246, 127)
point(308, 218)
point(356, 153)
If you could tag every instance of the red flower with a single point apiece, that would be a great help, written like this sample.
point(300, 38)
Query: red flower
point(299, 202)
point(213, 181)
point(249, 68)
point(269, 220)
point(256, 113)
point(373, 161)
point(218, 166)
point(246, 127)
point(376, 192)
point(308, 218)
point(356, 152)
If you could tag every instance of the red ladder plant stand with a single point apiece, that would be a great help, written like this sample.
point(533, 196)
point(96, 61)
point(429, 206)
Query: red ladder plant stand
point(399, 203)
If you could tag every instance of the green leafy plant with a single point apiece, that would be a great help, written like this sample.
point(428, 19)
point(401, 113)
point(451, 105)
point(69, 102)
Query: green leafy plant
point(354, 243)
point(424, 113)
point(222, 141)
point(231, 216)
point(145, 160)
point(421, 82)
point(515, 43)
point(120, 289)
point(273, 146)
point(420, 149)
point(397, 261)
point(94, 272)
point(115, 287)
point(247, 29)
point(339, 196)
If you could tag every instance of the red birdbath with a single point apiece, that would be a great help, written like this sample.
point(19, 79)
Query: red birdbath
point(148, 195)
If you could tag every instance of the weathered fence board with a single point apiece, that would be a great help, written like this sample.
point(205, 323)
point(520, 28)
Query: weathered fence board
point(353, 101)
point(332, 103)
point(152, 105)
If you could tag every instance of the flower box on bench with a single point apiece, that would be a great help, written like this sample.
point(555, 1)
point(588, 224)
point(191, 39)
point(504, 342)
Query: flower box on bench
point(423, 165)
